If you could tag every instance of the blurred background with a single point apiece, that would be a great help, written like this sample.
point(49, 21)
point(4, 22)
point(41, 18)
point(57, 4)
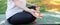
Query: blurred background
point(49, 8)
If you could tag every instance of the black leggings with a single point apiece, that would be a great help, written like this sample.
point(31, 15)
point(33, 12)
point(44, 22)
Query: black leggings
point(22, 18)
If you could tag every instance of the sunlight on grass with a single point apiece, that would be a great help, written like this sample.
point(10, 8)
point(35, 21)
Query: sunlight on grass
point(53, 10)
point(55, 2)
point(57, 22)
point(57, 16)
point(52, 5)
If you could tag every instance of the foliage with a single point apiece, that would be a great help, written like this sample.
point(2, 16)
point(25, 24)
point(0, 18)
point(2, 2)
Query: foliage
point(39, 2)
point(2, 6)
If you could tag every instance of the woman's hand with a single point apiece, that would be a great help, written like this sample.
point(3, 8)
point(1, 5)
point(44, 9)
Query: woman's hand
point(38, 14)
point(35, 13)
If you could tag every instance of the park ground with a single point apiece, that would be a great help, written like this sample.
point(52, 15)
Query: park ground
point(48, 18)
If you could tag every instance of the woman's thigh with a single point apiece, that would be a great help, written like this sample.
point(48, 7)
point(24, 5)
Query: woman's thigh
point(22, 18)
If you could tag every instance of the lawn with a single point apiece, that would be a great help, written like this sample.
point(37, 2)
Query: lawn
point(44, 6)
point(3, 5)
point(48, 17)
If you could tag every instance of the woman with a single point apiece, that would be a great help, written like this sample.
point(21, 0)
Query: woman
point(18, 13)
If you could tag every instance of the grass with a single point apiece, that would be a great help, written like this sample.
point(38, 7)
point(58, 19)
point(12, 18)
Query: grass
point(3, 6)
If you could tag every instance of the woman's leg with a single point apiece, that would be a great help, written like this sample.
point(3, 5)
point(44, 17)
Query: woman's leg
point(21, 18)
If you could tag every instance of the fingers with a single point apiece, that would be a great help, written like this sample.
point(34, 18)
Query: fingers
point(33, 10)
point(41, 16)
point(36, 13)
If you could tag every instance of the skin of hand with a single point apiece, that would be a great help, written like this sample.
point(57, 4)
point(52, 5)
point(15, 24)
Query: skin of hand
point(38, 14)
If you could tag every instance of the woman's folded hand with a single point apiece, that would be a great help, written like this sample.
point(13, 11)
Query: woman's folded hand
point(38, 15)
point(35, 13)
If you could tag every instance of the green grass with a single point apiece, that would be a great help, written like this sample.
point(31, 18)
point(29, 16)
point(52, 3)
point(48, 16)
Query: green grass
point(3, 6)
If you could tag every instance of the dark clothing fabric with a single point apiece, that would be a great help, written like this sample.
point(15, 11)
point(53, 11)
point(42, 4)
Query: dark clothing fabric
point(22, 18)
